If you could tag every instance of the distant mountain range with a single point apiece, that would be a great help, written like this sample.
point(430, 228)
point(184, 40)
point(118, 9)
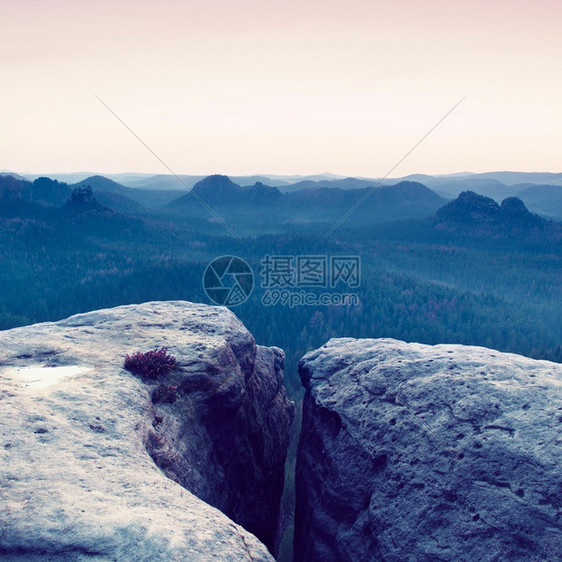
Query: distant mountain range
point(514, 178)
point(255, 208)
point(172, 182)
point(47, 191)
point(140, 193)
point(127, 199)
point(543, 199)
point(260, 202)
point(343, 183)
point(131, 179)
point(541, 192)
point(101, 204)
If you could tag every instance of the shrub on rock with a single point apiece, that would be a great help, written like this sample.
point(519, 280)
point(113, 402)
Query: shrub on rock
point(150, 364)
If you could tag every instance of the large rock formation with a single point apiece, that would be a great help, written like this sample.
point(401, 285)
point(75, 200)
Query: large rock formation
point(98, 463)
point(477, 215)
point(428, 453)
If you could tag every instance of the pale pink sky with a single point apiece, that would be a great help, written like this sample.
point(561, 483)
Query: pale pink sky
point(262, 86)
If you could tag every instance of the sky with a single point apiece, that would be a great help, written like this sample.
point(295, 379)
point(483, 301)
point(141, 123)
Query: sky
point(280, 87)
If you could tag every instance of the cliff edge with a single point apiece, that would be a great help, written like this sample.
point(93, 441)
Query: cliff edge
point(97, 463)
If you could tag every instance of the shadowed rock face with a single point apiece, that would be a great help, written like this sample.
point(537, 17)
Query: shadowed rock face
point(415, 452)
point(96, 462)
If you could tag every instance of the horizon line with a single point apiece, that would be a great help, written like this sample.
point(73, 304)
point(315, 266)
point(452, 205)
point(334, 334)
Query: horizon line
point(273, 175)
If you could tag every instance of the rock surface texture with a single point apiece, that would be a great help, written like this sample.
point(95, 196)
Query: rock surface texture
point(98, 464)
point(428, 453)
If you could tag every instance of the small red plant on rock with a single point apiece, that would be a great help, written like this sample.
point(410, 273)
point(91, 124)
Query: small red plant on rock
point(150, 364)
point(165, 394)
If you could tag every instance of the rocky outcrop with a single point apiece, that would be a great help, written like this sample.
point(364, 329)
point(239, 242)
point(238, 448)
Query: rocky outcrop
point(98, 463)
point(428, 453)
point(477, 215)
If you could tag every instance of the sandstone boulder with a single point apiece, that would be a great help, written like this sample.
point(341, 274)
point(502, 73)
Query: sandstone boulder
point(99, 464)
point(428, 453)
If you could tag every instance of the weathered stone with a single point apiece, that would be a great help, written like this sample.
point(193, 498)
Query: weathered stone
point(94, 464)
point(427, 453)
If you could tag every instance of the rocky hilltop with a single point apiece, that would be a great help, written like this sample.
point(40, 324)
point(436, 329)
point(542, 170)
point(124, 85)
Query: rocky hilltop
point(478, 215)
point(428, 453)
point(97, 463)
